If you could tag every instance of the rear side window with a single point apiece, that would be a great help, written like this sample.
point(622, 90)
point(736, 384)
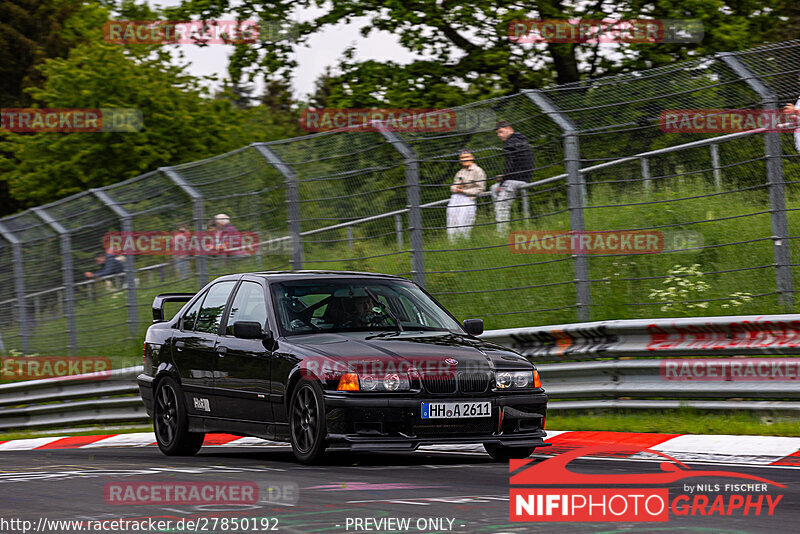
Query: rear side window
point(190, 317)
point(213, 306)
point(248, 305)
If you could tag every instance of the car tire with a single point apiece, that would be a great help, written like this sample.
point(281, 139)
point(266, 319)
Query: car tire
point(500, 453)
point(171, 423)
point(307, 428)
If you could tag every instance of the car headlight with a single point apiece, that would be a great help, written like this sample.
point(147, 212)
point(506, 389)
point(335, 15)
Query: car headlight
point(503, 380)
point(517, 379)
point(375, 382)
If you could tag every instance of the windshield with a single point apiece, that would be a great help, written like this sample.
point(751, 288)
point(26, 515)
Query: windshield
point(355, 305)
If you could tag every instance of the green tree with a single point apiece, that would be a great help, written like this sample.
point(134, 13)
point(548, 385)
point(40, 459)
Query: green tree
point(465, 52)
point(180, 123)
point(32, 31)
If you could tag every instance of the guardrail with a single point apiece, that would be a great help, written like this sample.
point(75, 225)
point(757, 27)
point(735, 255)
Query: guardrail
point(105, 397)
point(613, 383)
point(652, 384)
point(653, 338)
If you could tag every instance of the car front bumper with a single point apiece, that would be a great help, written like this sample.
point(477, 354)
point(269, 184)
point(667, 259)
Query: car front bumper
point(358, 422)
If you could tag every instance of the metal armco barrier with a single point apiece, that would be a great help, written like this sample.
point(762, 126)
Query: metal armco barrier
point(72, 400)
point(656, 338)
point(608, 382)
point(650, 378)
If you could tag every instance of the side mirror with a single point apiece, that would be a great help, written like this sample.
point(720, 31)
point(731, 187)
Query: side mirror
point(248, 330)
point(473, 326)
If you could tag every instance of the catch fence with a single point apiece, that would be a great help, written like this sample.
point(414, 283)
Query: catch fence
point(377, 201)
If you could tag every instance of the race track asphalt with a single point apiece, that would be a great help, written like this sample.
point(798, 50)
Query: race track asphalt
point(434, 492)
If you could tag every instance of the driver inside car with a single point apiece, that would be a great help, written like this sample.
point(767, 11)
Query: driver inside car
point(352, 312)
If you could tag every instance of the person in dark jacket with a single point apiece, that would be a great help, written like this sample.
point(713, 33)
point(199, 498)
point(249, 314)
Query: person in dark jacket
point(518, 171)
point(108, 265)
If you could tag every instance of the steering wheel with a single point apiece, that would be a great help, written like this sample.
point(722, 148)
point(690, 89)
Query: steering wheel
point(303, 316)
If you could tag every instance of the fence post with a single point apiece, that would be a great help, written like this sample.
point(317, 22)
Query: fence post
point(350, 239)
point(68, 276)
point(19, 285)
point(526, 210)
point(292, 202)
point(398, 229)
point(413, 197)
point(199, 215)
point(576, 193)
point(648, 184)
point(775, 180)
point(130, 267)
point(716, 168)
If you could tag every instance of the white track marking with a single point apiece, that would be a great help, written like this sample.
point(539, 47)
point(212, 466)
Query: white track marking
point(136, 439)
point(753, 450)
point(26, 444)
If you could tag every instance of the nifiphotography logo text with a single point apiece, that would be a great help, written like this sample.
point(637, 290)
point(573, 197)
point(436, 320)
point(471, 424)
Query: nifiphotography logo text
point(646, 497)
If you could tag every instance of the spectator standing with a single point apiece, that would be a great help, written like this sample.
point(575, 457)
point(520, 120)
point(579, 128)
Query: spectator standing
point(518, 171)
point(469, 183)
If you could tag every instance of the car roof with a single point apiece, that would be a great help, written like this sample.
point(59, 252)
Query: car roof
point(282, 276)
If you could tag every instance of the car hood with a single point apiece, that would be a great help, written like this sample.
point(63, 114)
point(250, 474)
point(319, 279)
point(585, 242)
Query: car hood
point(414, 349)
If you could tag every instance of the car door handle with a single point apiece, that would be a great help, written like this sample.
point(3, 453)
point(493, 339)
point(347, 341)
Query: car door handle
point(179, 345)
point(222, 351)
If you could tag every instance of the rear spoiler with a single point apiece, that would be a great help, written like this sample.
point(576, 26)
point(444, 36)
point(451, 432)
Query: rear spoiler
point(160, 300)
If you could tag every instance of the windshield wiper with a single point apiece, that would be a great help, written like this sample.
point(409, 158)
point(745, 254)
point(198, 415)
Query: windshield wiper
point(386, 311)
point(384, 334)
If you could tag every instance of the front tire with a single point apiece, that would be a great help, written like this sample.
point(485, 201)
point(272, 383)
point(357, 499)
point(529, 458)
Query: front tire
point(171, 423)
point(500, 453)
point(307, 428)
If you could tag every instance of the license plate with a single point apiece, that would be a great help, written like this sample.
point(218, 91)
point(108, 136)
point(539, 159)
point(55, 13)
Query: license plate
point(455, 410)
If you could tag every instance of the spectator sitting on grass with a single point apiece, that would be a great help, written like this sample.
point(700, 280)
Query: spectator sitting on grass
point(108, 265)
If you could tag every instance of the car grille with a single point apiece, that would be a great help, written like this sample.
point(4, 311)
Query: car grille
point(473, 382)
point(439, 384)
point(462, 383)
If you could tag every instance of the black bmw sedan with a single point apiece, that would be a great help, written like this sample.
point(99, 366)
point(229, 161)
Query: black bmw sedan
point(333, 361)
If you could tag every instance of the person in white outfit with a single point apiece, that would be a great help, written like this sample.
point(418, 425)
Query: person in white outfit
point(469, 182)
point(790, 109)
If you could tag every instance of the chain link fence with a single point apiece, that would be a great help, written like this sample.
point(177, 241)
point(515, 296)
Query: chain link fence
point(377, 201)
